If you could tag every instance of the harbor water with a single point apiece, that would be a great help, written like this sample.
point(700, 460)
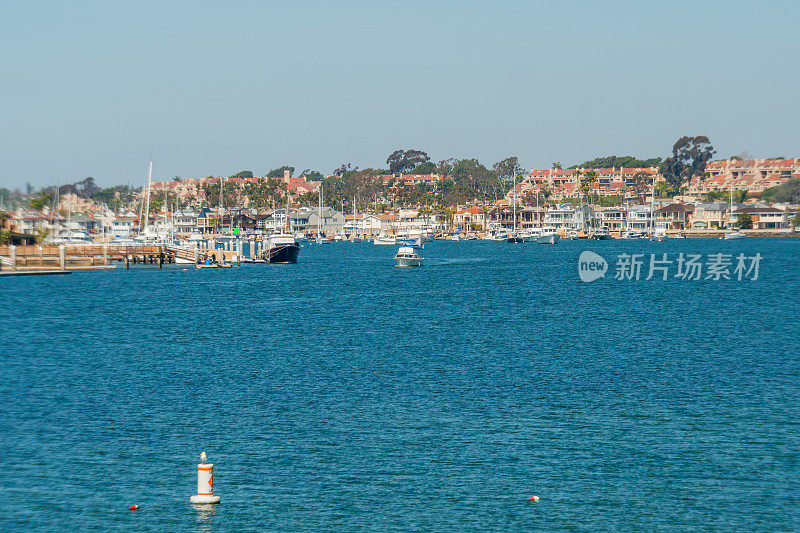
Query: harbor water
point(343, 393)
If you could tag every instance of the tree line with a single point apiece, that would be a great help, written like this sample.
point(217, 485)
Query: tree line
point(462, 181)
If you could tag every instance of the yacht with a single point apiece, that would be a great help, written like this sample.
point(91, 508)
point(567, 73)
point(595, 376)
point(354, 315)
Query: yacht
point(734, 235)
point(521, 236)
point(385, 239)
point(407, 257)
point(601, 234)
point(659, 235)
point(409, 239)
point(631, 234)
point(548, 236)
point(281, 248)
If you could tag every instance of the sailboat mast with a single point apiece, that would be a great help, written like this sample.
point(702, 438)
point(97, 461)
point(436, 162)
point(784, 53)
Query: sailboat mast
point(652, 202)
point(730, 213)
point(288, 224)
point(147, 202)
point(219, 223)
point(514, 223)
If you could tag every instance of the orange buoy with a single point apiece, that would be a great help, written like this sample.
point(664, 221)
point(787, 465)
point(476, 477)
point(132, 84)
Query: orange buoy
point(134, 507)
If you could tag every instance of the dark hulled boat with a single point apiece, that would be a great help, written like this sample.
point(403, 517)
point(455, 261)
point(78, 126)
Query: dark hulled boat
point(281, 248)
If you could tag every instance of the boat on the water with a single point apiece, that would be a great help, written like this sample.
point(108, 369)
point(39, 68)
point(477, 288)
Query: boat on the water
point(281, 248)
point(734, 235)
point(630, 234)
point(408, 239)
point(659, 235)
point(601, 234)
point(385, 239)
point(548, 236)
point(407, 257)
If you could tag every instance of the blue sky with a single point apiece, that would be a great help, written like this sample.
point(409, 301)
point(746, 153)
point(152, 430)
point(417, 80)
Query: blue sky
point(98, 88)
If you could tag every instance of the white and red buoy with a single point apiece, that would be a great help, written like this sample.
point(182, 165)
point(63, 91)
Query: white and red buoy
point(205, 482)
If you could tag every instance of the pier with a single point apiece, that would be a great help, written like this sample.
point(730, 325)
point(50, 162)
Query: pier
point(63, 257)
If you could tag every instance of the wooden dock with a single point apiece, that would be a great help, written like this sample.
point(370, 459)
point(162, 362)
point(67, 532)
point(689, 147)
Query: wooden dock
point(63, 257)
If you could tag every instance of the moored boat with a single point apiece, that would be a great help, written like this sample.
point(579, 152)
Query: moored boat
point(734, 235)
point(281, 248)
point(548, 236)
point(385, 239)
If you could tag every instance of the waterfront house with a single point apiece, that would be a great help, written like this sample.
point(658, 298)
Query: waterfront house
point(611, 218)
point(569, 217)
point(639, 218)
point(674, 216)
point(186, 222)
point(206, 220)
point(709, 216)
point(762, 217)
point(470, 219)
point(122, 225)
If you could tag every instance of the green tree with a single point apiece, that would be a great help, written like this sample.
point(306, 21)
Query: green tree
point(689, 158)
point(744, 221)
point(245, 174)
point(312, 175)
point(42, 199)
point(405, 160)
point(504, 172)
point(788, 191)
point(428, 167)
point(556, 165)
point(587, 180)
point(613, 161)
point(278, 172)
point(641, 183)
point(795, 221)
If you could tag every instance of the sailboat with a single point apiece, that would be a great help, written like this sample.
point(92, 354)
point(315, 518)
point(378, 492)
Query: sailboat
point(320, 220)
point(515, 236)
point(732, 235)
point(387, 239)
point(659, 234)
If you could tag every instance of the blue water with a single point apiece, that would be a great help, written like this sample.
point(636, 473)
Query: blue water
point(343, 393)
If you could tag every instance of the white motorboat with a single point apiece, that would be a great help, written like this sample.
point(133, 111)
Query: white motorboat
point(659, 235)
point(632, 235)
point(409, 239)
point(548, 236)
point(734, 235)
point(407, 257)
point(385, 239)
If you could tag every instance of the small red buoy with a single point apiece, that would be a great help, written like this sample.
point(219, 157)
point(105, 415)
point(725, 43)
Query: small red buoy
point(534, 498)
point(134, 507)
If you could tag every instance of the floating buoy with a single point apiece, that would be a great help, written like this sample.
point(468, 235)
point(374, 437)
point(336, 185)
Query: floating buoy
point(184, 270)
point(205, 482)
point(534, 498)
point(134, 507)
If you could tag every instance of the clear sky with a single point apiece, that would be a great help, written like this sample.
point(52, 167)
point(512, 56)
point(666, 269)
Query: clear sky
point(209, 88)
